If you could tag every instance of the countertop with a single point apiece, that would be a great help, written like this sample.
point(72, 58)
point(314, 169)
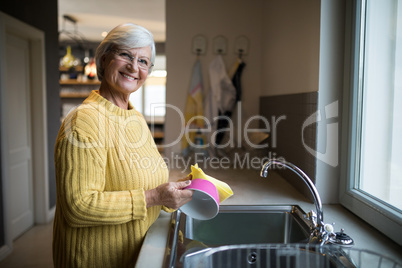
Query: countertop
point(250, 189)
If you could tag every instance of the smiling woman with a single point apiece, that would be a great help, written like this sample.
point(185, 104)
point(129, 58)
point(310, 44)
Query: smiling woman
point(111, 179)
point(122, 75)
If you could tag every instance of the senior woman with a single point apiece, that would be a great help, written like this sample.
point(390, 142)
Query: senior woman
point(111, 180)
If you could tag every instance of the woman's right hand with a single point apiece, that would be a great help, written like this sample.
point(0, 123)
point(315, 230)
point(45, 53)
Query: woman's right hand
point(169, 194)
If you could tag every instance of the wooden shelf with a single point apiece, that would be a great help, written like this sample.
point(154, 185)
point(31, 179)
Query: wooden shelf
point(75, 82)
point(74, 94)
point(78, 68)
point(158, 135)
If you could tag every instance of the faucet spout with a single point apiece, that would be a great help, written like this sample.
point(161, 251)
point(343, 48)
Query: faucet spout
point(306, 180)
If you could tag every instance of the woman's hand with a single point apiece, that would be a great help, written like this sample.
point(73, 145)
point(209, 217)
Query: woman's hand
point(170, 194)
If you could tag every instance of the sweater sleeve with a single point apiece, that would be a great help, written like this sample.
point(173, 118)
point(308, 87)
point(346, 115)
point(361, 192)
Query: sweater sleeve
point(80, 174)
point(168, 210)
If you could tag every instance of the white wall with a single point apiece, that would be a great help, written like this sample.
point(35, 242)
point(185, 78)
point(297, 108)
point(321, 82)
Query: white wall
point(283, 57)
point(331, 79)
point(296, 46)
point(230, 18)
point(291, 39)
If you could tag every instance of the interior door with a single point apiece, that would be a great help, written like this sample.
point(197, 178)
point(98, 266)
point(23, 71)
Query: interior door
point(18, 125)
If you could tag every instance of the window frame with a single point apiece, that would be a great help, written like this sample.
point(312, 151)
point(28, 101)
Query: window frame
point(383, 217)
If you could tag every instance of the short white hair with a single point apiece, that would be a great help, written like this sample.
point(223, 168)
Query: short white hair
point(124, 36)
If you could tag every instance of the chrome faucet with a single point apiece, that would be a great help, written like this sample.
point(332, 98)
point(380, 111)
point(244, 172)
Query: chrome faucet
point(321, 233)
point(305, 178)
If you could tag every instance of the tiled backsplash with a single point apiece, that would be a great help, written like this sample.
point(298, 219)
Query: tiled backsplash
point(290, 112)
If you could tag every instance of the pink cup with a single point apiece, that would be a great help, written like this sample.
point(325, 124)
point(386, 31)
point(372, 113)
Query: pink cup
point(205, 202)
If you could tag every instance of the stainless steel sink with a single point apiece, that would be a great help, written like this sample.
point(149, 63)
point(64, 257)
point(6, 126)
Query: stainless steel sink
point(258, 236)
point(269, 255)
point(287, 255)
point(249, 224)
point(189, 238)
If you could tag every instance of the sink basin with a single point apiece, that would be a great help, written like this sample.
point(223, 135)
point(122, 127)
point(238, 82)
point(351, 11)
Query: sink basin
point(234, 225)
point(287, 255)
point(290, 256)
point(248, 225)
point(257, 236)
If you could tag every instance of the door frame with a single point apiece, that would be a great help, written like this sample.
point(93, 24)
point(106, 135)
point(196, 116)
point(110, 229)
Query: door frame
point(40, 178)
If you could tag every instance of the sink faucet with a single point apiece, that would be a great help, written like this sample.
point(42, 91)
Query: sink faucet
point(305, 178)
point(321, 233)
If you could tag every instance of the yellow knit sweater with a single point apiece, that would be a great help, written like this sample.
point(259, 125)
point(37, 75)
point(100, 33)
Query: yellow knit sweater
point(105, 159)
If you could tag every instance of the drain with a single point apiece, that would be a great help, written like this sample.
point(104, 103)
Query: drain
point(252, 257)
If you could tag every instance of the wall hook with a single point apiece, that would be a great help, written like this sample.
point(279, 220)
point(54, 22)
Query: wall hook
point(241, 46)
point(240, 53)
point(219, 45)
point(199, 45)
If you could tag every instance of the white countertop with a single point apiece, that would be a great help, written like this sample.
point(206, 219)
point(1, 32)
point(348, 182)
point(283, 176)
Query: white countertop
point(277, 191)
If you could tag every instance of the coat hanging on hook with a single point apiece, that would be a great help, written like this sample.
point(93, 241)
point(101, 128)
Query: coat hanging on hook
point(222, 96)
point(221, 85)
point(235, 76)
point(194, 106)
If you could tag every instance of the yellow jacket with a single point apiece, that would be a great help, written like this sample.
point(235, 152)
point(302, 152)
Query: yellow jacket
point(105, 159)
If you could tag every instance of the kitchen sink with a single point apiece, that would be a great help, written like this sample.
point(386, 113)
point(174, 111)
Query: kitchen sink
point(249, 224)
point(258, 236)
point(270, 255)
point(287, 256)
point(269, 224)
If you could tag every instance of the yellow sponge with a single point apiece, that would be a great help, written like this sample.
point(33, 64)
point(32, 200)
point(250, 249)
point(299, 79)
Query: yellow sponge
point(223, 188)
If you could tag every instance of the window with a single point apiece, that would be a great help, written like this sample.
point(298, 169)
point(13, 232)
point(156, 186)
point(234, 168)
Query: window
point(373, 185)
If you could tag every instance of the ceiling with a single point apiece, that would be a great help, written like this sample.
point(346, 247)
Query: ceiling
point(93, 17)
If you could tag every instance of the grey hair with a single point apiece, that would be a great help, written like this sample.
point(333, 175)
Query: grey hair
point(124, 36)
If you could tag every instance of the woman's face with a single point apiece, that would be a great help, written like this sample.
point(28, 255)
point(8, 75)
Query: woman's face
point(124, 70)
